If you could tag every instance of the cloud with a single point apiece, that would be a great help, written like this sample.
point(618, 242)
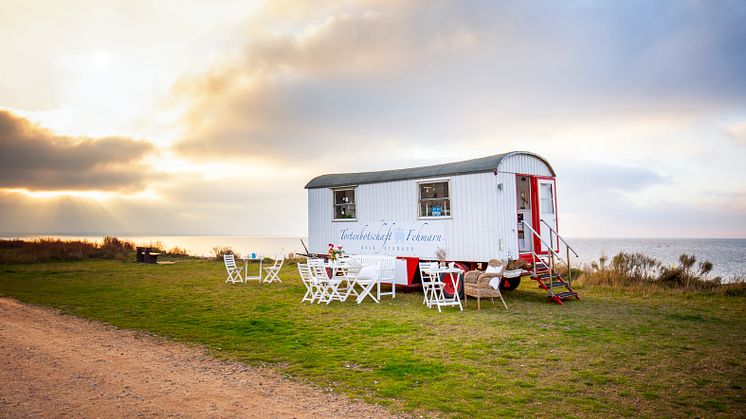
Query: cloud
point(320, 87)
point(34, 158)
point(610, 215)
point(385, 77)
point(737, 132)
point(594, 177)
point(270, 95)
point(184, 206)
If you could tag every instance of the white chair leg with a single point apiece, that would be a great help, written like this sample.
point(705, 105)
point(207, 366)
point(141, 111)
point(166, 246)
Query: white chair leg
point(367, 291)
point(333, 292)
point(271, 276)
point(234, 276)
point(309, 292)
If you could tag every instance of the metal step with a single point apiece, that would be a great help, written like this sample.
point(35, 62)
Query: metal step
point(547, 275)
point(557, 284)
point(566, 294)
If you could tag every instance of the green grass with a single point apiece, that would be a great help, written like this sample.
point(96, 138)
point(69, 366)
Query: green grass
point(614, 353)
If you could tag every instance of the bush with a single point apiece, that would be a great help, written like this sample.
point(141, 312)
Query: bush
point(634, 269)
point(44, 250)
point(177, 252)
point(113, 248)
point(219, 252)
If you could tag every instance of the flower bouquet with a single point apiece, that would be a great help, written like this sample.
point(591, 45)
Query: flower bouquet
point(335, 252)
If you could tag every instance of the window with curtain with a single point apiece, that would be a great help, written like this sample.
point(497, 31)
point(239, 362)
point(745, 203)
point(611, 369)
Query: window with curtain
point(344, 204)
point(435, 199)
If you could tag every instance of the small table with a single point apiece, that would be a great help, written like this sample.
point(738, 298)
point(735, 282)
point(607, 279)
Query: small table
point(246, 276)
point(454, 300)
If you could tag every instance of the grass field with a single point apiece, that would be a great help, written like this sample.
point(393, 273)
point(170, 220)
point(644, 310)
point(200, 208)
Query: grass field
point(657, 353)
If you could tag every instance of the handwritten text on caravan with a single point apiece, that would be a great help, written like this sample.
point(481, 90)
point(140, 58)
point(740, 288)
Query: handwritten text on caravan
point(394, 238)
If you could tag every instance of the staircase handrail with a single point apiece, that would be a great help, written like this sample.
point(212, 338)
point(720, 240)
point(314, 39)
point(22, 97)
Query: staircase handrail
point(542, 240)
point(560, 237)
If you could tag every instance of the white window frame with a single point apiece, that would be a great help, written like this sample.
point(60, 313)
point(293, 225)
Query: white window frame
point(352, 188)
point(552, 200)
point(450, 200)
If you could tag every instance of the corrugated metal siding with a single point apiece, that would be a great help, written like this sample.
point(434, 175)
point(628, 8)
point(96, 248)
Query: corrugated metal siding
point(319, 219)
point(482, 214)
point(507, 217)
point(524, 164)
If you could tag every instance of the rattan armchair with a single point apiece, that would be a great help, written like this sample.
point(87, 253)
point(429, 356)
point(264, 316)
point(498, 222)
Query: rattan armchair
point(477, 284)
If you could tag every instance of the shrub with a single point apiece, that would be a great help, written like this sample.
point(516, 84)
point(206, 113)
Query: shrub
point(47, 249)
point(178, 252)
point(634, 269)
point(293, 259)
point(219, 252)
point(113, 248)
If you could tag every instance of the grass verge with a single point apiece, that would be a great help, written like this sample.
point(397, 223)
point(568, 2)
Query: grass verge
point(647, 352)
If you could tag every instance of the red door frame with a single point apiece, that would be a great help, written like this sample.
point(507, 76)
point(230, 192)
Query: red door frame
point(535, 210)
point(537, 214)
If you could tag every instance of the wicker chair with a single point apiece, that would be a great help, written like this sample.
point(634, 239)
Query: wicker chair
point(477, 284)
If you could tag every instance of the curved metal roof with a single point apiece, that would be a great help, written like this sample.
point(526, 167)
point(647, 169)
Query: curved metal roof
point(483, 164)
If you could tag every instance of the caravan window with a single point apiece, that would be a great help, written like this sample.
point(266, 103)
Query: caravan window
point(344, 204)
point(435, 200)
point(547, 198)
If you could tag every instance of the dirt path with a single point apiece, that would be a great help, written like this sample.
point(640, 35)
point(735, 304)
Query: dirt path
point(54, 365)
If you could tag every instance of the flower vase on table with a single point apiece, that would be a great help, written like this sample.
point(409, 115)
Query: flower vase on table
point(335, 252)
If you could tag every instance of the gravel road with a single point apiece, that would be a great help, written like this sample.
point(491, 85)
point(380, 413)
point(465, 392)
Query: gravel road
point(55, 365)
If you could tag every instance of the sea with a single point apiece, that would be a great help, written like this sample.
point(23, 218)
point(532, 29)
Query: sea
point(728, 256)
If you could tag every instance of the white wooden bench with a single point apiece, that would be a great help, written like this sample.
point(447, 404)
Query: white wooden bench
point(387, 264)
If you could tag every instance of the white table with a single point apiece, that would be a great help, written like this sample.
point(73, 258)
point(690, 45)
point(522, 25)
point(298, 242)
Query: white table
point(455, 299)
point(246, 260)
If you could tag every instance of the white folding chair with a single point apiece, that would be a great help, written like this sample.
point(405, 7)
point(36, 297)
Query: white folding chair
point(335, 281)
point(432, 288)
point(234, 272)
point(305, 276)
point(328, 289)
point(346, 270)
point(274, 270)
point(368, 277)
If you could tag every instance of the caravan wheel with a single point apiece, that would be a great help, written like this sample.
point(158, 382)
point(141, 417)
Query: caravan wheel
point(509, 284)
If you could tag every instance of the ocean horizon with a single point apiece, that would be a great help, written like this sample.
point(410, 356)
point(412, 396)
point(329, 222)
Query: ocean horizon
point(728, 255)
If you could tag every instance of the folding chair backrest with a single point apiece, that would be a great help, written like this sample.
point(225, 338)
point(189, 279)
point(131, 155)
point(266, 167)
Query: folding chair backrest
point(318, 271)
point(315, 261)
point(305, 272)
point(278, 262)
point(426, 271)
point(230, 261)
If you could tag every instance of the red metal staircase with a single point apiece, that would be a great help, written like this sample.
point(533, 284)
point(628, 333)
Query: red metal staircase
point(552, 281)
point(544, 268)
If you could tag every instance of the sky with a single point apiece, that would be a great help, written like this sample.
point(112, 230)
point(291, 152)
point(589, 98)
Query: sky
point(208, 118)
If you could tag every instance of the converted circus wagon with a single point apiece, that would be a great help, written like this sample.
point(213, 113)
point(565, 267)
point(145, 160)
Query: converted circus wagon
point(502, 206)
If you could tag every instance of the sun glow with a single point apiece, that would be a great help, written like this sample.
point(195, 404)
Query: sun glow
point(98, 196)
